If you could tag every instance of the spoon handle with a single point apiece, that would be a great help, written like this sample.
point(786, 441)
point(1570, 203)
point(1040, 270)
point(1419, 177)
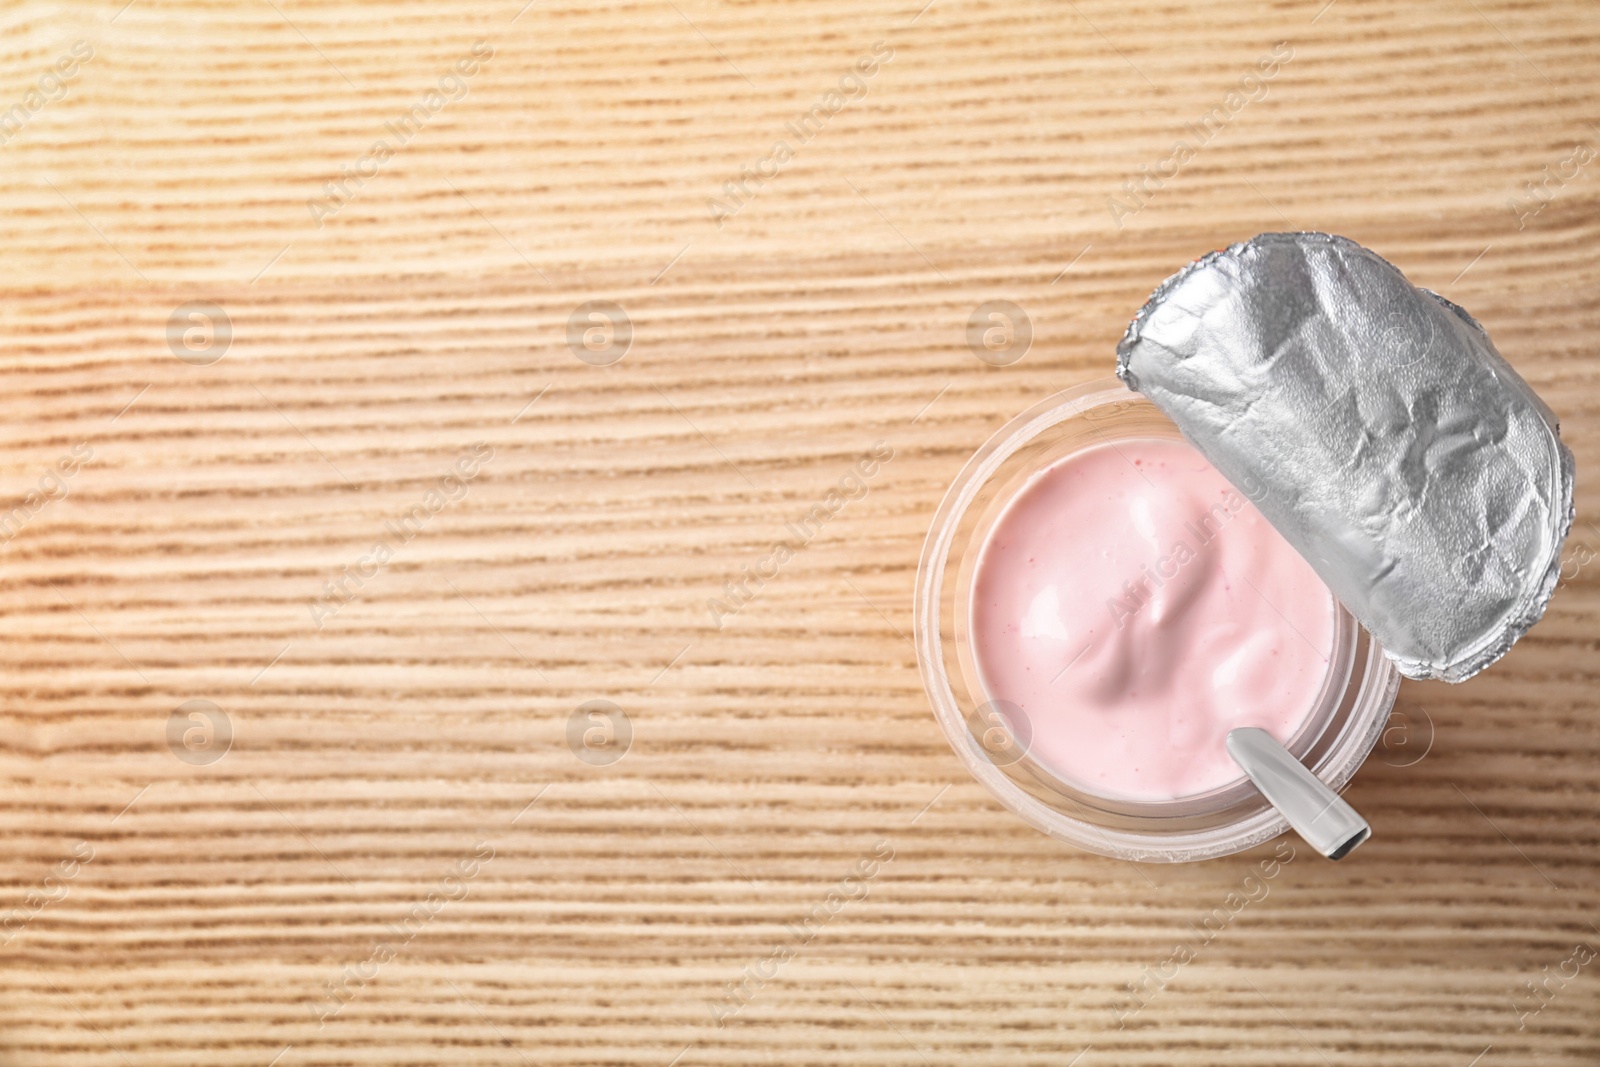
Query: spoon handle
point(1316, 812)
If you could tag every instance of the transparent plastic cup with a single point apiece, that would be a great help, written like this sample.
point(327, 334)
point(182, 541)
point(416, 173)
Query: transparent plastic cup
point(991, 739)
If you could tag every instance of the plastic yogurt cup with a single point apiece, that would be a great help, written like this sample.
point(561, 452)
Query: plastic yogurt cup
point(1102, 797)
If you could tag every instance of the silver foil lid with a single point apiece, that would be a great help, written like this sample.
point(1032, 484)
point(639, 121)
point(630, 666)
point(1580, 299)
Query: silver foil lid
point(1377, 428)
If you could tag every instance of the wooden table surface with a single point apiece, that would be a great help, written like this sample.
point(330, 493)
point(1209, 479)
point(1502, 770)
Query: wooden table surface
point(240, 342)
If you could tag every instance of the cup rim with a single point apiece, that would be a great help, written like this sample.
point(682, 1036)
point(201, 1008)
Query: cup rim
point(1378, 678)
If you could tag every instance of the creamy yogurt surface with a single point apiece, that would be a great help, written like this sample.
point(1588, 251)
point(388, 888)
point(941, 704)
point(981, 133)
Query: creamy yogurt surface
point(1136, 607)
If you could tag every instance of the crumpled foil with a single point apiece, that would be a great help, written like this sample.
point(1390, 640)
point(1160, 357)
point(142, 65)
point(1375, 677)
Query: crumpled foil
point(1377, 428)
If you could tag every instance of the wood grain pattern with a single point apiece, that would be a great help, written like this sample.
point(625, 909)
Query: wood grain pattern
point(370, 757)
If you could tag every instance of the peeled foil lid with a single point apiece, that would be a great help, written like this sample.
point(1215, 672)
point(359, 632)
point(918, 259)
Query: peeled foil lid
point(1377, 428)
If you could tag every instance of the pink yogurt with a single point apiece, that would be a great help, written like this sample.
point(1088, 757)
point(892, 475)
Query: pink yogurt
point(1137, 607)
